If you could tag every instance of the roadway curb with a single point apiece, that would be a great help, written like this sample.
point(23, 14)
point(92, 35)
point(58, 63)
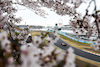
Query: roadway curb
point(92, 52)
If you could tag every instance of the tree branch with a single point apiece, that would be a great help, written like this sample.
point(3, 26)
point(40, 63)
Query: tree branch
point(96, 19)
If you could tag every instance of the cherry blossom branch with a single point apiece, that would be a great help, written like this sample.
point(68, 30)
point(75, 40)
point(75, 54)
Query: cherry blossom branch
point(34, 8)
point(96, 19)
point(87, 10)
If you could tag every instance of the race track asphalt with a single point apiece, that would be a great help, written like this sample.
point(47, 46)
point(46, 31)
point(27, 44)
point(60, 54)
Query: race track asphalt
point(78, 52)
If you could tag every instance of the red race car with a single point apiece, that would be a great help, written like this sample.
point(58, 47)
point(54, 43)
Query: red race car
point(63, 44)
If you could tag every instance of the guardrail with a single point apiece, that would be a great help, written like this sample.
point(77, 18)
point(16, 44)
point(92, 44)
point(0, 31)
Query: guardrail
point(64, 34)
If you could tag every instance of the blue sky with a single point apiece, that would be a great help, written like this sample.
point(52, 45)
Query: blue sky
point(32, 19)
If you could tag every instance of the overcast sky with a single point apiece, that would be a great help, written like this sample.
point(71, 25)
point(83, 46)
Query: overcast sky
point(32, 19)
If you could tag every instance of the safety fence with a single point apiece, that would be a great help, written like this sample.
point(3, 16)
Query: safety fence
point(64, 34)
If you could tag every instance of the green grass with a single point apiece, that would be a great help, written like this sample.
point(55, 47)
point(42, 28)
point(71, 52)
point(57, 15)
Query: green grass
point(83, 60)
point(86, 61)
point(35, 33)
point(75, 44)
point(79, 45)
